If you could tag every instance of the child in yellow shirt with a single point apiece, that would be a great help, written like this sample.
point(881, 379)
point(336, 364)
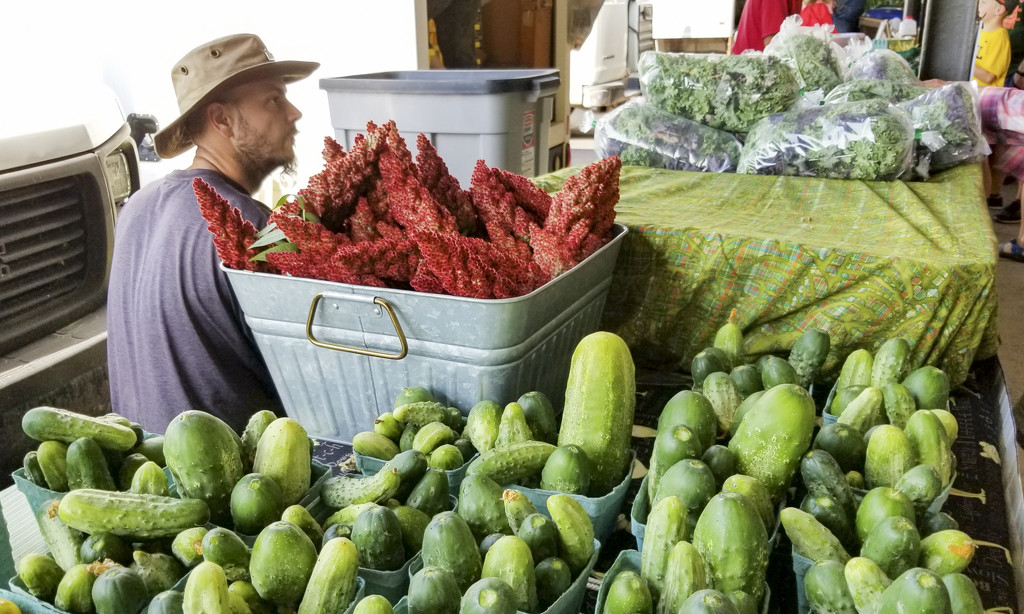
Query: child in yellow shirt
point(992, 60)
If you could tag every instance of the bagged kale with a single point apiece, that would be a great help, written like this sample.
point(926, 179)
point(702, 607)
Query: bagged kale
point(866, 89)
point(643, 135)
point(947, 128)
point(869, 140)
point(728, 92)
point(808, 52)
point(881, 64)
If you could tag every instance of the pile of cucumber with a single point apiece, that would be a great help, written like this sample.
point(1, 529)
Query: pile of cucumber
point(124, 545)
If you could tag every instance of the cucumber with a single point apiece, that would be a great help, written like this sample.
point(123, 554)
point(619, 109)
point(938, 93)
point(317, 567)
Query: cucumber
point(628, 593)
point(99, 546)
point(187, 546)
point(488, 596)
point(922, 485)
point(482, 425)
point(64, 542)
point(756, 493)
point(856, 370)
point(344, 490)
point(432, 590)
point(566, 470)
point(934, 522)
point(553, 580)
point(865, 411)
point(810, 538)
point(826, 589)
point(53, 424)
point(963, 594)
point(666, 526)
point(948, 421)
point(777, 371)
point(332, 585)
point(514, 463)
point(729, 339)
point(866, 582)
point(52, 458)
point(431, 493)
point(898, 402)
point(685, 574)
point(412, 394)
point(159, 571)
point(889, 456)
point(878, 504)
point(481, 506)
point(894, 544)
point(121, 589)
point(773, 437)
point(206, 590)
point(205, 460)
point(33, 472)
point(374, 604)
point(708, 601)
point(386, 425)
point(512, 428)
point(282, 563)
point(823, 476)
point(745, 407)
point(845, 443)
point(413, 523)
point(256, 501)
point(283, 455)
point(374, 445)
point(947, 551)
point(725, 396)
point(721, 461)
point(842, 398)
point(254, 428)
point(411, 465)
point(433, 435)
point(517, 507)
point(302, 518)
point(891, 362)
point(540, 416)
point(74, 593)
point(693, 483)
point(446, 457)
point(448, 543)
point(832, 515)
point(575, 531)
point(747, 378)
point(708, 361)
point(671, 445)
point(509, 559)
point(693, 410)
point(916, 590)
point(808, 355)
point(600, 398)
point(150, 479)
point(377, 535)
point(929, 386)
point(540, 534)
point(133, 515)
point(421, 413)
point(733, 543)
point(930, 443)
point(87, 466)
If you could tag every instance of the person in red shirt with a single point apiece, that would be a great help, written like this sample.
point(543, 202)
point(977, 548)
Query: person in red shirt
point(817, 13)
point(760, 21)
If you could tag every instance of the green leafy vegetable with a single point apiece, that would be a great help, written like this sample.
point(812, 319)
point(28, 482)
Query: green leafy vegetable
point(947, 126)
point(870, 140)
point(881, 64)
point(729, 92)
point(643, 135)
point(809, 57)
point(866, 89)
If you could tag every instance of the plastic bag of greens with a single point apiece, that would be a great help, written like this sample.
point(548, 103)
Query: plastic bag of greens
point(643, 135)
point(947, 128)
point(881, 64)
point(884, 89)
point(808, 52)
point(869, 140)
point(728, 92)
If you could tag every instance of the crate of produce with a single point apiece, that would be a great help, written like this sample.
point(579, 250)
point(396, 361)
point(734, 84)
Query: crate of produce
point(500, 116)
point(315, 335)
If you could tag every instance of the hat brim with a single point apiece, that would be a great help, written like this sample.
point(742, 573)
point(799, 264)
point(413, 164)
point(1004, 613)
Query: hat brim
point(173, 140)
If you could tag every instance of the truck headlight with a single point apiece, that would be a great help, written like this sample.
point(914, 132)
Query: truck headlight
point(118, 176)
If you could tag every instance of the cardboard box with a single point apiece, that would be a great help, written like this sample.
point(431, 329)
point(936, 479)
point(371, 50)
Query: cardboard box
point(517, 33)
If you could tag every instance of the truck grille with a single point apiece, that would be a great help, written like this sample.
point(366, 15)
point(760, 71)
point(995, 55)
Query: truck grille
point(42, 244)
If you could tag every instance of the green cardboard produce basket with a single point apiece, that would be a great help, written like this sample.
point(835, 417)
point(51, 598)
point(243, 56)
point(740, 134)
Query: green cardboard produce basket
point(603, 511)
point(392, 585)
point(27, 603)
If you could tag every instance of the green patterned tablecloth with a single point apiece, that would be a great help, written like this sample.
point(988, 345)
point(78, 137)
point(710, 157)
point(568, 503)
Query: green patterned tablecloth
point(865, 261)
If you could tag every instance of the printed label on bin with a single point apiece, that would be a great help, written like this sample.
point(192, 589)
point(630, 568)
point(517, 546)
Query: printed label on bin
point(529, 142)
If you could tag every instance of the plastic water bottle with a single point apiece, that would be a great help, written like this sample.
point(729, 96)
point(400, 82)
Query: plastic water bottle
point(908, 28)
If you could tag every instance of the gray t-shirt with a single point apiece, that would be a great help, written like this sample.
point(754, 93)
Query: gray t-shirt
point(176, 336)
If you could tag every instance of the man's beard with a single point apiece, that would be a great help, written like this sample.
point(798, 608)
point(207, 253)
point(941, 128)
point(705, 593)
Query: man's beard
point(256, 160)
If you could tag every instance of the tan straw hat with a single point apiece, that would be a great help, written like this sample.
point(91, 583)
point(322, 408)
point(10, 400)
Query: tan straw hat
point(208, 69)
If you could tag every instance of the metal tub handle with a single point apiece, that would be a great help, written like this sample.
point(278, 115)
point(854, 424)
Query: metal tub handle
point(355, 350)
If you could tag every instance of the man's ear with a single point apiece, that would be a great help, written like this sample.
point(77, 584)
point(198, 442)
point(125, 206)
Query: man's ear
point(220, 118)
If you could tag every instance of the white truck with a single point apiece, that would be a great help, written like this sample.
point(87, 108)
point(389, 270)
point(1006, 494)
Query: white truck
point(68, 162)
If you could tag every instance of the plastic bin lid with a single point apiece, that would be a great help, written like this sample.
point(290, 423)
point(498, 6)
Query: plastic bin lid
point(447, 81)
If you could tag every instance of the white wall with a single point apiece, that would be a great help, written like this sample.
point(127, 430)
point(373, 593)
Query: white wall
point(131, 46)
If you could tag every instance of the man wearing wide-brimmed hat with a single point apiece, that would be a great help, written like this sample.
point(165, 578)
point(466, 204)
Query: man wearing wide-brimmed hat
point(176, 336)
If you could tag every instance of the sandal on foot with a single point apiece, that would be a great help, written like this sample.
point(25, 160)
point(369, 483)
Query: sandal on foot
point(1011, 250)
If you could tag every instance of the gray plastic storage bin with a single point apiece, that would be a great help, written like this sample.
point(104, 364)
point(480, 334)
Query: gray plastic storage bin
point(500, 116)
point(463, 349)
